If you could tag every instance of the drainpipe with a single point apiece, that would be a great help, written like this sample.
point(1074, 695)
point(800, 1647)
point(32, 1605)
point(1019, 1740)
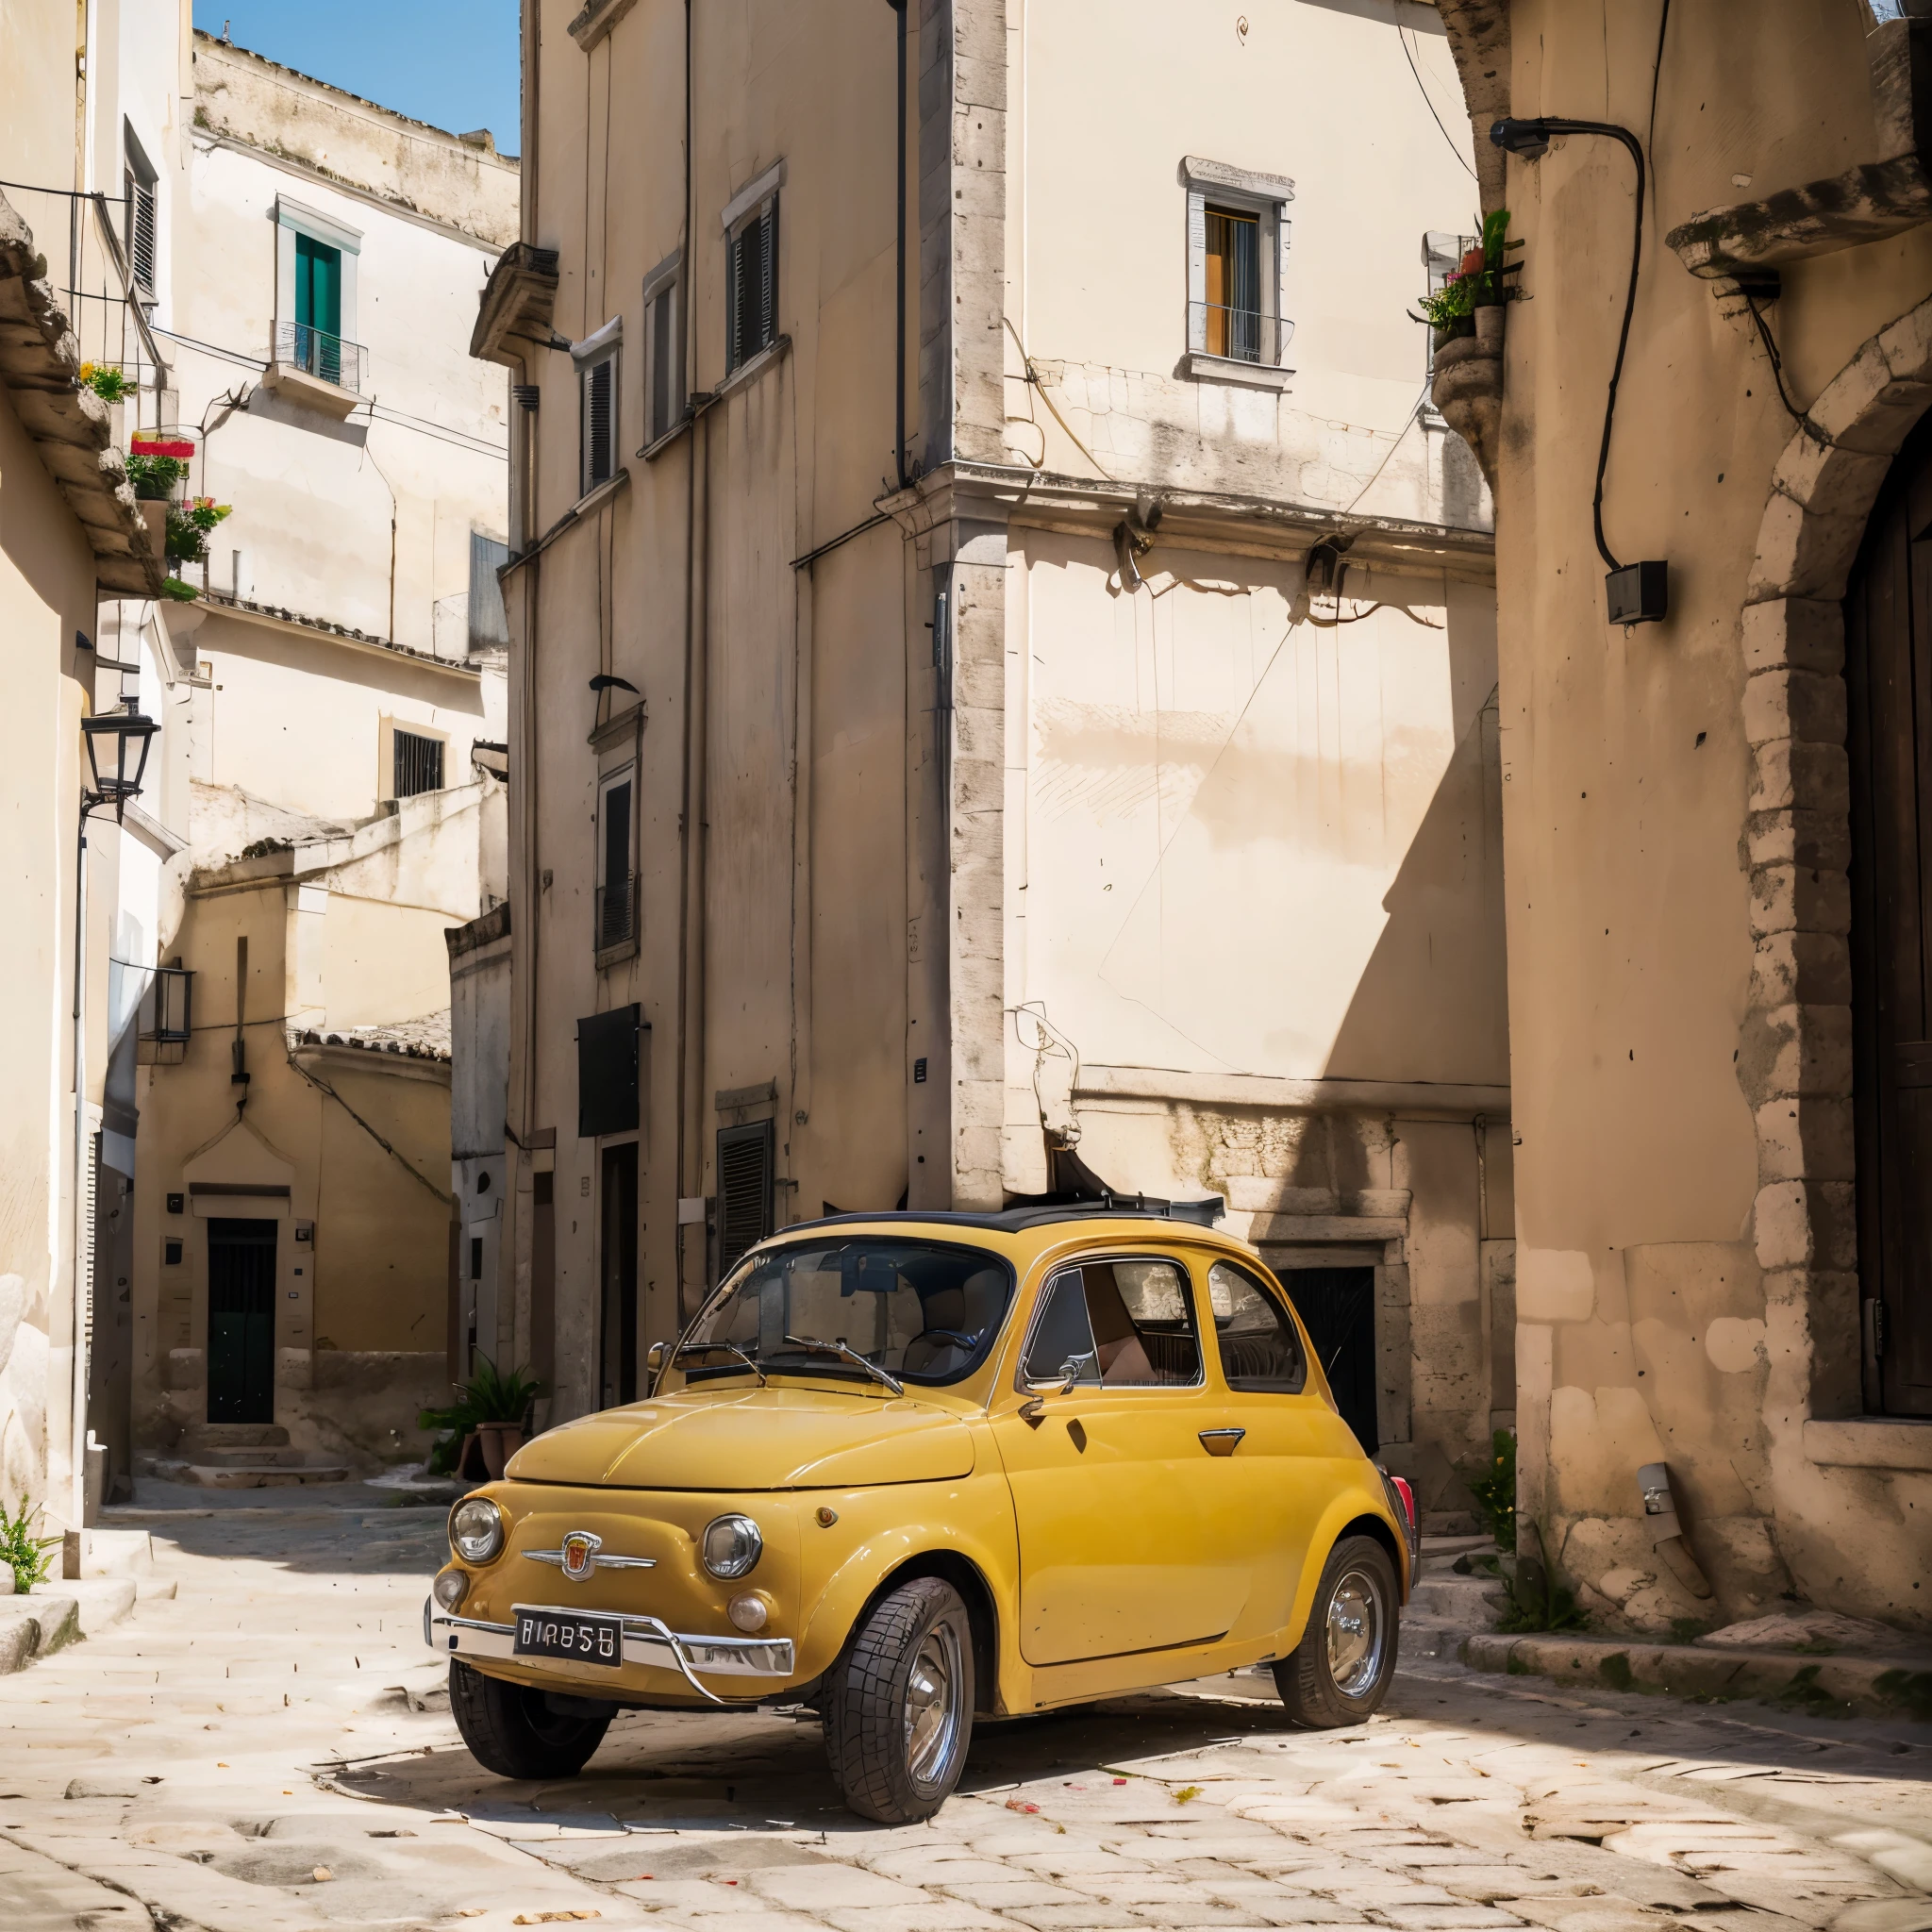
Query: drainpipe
point(77, 1445)
point(898, 7)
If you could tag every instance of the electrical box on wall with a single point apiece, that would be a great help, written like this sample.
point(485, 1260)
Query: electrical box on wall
point(305, 1231)
point(1639, 592)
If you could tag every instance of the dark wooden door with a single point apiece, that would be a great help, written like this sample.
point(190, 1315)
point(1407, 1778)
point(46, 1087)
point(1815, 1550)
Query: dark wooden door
point(241, 1321)
point(1338, 1308)
point(1888, 683)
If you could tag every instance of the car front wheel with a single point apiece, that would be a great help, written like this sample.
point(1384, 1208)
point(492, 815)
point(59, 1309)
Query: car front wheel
point(899, 1713)
point(1338, 1673)
point(511, 1731)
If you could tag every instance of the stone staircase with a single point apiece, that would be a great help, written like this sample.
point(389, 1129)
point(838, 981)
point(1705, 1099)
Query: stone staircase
point(240, 1455)
point(1445, 1608)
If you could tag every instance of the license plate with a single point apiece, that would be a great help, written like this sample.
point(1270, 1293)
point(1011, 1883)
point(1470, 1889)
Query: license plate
point(578, 1637)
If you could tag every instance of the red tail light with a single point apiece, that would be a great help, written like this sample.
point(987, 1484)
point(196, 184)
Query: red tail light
point(1402, 1488)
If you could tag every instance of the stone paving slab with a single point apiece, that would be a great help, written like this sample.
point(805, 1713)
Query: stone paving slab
point(278, 1720)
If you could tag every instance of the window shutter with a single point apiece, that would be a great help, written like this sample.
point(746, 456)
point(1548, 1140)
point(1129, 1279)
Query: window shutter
point(768, 275)
point(744, 1190)
point(607, 1072)
point(489, 622)
point(140, 231)
point(599, 399)
point(662, 336)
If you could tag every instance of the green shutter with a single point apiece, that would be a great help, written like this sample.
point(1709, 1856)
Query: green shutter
point(318, 286)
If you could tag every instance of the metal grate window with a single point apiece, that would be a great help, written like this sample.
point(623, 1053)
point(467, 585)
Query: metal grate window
point(752, 286)
point(598, 385)
point(418, 763)
point(744, 1190)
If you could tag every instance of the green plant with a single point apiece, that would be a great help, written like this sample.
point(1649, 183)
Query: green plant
point(1454, 302)
point(154, 476)
point(1494, 1490)
point(1536, 1603)
point(1478, 282)
point(181, 592)
point(27, 1555)
point(488, 1396)
point(188, 525)
point(109, 383)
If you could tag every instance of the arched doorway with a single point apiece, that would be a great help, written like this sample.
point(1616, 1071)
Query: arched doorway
point(1889, 742)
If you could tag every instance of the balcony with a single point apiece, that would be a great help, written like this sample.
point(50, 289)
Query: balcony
point(317, 368)
point(1238, 345)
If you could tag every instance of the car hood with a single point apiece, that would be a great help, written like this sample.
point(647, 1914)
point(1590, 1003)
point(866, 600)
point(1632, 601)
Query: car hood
point(773, 1437)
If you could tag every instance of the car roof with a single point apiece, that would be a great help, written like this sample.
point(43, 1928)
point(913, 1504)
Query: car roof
point(1024, 1217)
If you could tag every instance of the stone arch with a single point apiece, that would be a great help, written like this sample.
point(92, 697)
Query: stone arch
point(1794, 1059)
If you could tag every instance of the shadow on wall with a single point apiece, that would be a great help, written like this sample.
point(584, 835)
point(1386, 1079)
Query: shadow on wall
point(1432, 1003)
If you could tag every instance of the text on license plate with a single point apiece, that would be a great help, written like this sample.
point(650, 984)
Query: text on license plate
point(583, 1637)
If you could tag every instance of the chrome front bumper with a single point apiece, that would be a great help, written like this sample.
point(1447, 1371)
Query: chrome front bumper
point(646, 1641)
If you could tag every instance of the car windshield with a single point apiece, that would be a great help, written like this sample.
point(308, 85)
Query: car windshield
point(922, 1311)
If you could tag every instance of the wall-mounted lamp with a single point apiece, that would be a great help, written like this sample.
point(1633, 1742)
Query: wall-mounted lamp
point(131, 734)
point(1636, 592)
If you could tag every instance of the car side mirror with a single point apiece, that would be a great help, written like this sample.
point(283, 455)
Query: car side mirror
point(1051, 1385)
point(657, 1355)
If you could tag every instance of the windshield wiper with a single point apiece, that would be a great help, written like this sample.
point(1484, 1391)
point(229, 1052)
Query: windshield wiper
point(850, 1355)
point(731, 1348)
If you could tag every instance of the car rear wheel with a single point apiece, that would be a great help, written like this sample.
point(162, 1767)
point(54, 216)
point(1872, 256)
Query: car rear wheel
point(511, 1731)
point(899, 1709)
point(1338, 1673)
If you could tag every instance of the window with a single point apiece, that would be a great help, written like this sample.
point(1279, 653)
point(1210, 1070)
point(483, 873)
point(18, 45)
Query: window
point(664, 397)
point(489, 625)
point(1122, 1324)
point(1260, 1347)
point(597, 372)
point(925, 1311)
point(315, 297)
point(616, 874)
point(1237, 235)
point(745, 1197)
point(1233, 319)
point(751, 294)
point(416, 763)
point(139, 177)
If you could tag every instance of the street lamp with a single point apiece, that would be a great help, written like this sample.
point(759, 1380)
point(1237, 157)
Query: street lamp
point(131, 734)
point(119, 736)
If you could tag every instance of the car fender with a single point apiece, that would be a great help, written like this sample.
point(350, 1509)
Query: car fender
point(956, 1524)
point(1348, 1504)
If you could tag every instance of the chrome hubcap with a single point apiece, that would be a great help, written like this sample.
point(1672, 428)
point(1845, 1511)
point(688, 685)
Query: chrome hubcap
point(1357, 1633)
point(932, 1704)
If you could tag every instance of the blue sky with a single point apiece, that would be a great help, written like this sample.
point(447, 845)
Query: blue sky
point(450, 62)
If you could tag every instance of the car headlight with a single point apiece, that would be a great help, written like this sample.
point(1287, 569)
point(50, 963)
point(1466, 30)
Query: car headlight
point(749, 1611)
point(476, 1530)
point(450, 1588)
point(732, 1546)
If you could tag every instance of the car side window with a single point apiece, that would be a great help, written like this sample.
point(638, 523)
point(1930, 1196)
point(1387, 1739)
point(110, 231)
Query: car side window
point(1125, 1325)
point(1260, 1348)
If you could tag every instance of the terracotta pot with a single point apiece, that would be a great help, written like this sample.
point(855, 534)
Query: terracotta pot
point(498, 1441)
point(1488, 325)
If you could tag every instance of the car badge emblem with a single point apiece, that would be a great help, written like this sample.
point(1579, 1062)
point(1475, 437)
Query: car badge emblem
point(580, 1554)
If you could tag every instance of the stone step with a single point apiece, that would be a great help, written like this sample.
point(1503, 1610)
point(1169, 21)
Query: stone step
point(1424, 1637)
point(1474, 1603)
point(269, 1475)
point(37, 1626)
point(197, 1436)
point(248, 1458)
point(99, 1601)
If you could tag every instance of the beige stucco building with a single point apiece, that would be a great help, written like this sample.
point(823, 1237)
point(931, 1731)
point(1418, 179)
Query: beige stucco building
point(1077, 768)
point(70, 536)
point(1714, 824)
point(330, 772)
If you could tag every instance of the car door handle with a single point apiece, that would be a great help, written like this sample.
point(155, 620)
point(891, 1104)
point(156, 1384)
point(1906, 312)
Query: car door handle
point(1221, 1441)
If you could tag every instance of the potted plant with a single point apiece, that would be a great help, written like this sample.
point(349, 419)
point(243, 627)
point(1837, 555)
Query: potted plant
point(1470, 302)
point(486, 1424)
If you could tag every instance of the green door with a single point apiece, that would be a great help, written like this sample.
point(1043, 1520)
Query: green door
point(241, 1321)
point(318, 309)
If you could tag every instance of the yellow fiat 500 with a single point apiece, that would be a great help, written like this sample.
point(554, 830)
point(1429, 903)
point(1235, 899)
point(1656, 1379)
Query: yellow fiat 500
point(909, 1469)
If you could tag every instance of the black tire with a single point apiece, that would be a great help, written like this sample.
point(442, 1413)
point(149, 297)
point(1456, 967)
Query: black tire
point(898, 1706)
point(1339, 1672)
point(511, 1732)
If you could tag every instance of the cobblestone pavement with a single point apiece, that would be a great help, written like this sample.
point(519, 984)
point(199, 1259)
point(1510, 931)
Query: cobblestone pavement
point(273, 1751)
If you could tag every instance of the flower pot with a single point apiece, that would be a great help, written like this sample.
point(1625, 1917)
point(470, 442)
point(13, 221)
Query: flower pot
point(498, 1441)
point(1488, 325)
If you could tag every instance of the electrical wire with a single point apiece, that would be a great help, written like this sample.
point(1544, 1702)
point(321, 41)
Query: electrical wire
point(1777, 373)
point(1402, 35)
point(1389, 451)
point(1033, 376)
point(1657, 70)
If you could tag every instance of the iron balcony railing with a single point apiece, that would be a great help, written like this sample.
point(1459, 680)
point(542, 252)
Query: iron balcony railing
point(1239, 335)
point(617, 908)
point(167, 1017)
point(326, 357)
